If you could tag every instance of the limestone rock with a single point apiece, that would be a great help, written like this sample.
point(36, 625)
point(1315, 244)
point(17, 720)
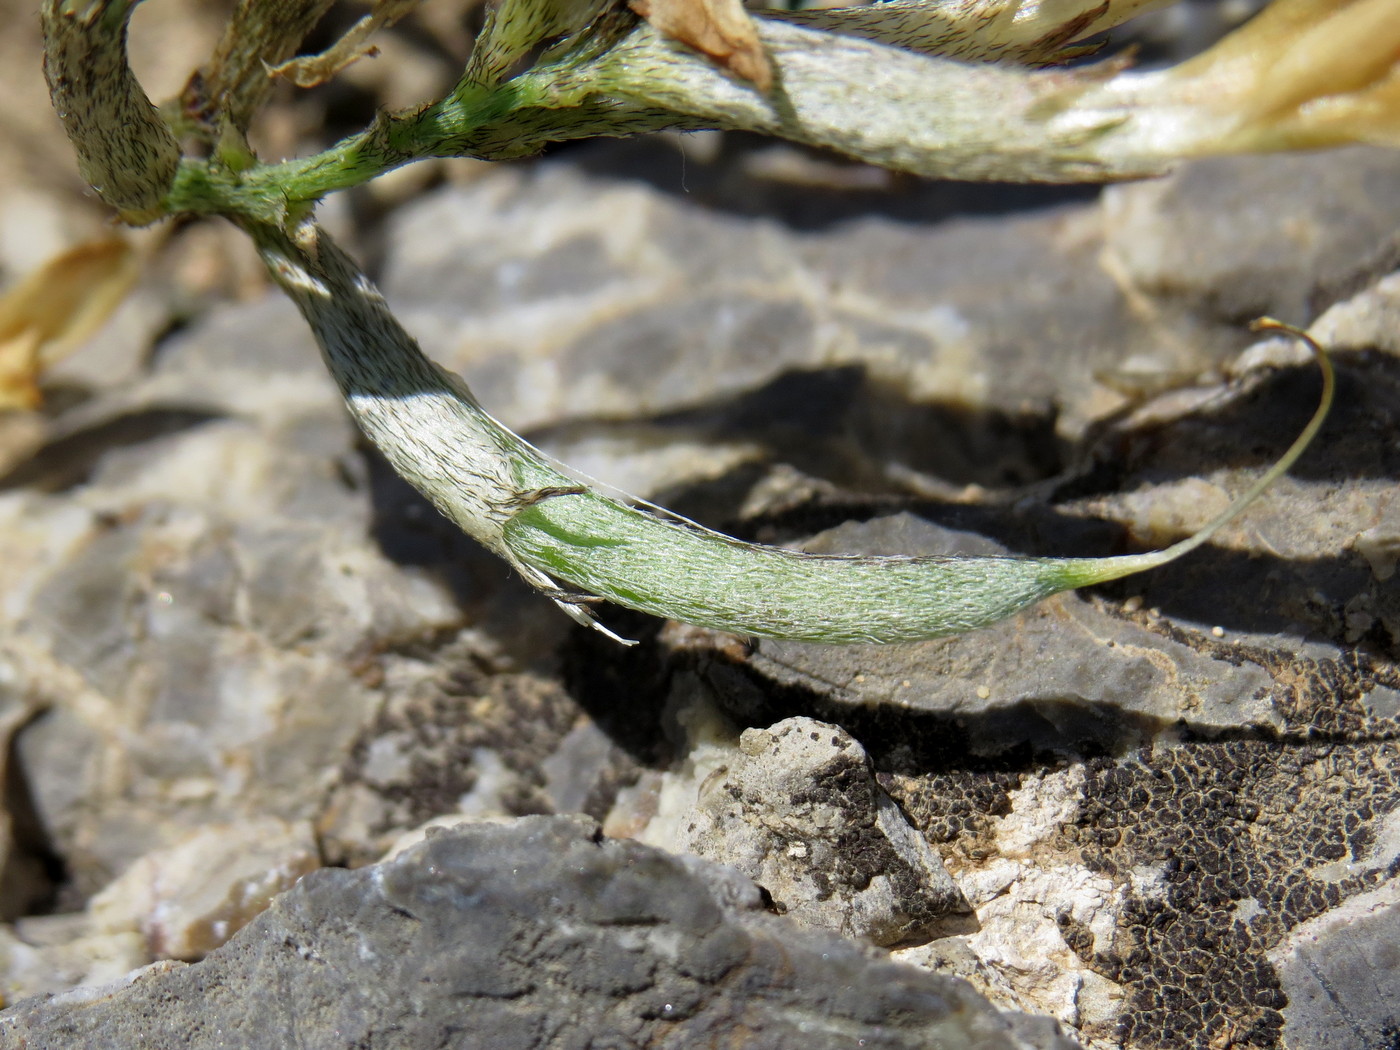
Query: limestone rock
point(216, 608)
point(450, 740)
point(797, 809)
point(1154, 796)
point(1340, 973)
point(48, 955)
point(205, 585)
point(189, 898)
point(531, 934)
point(1285, 241)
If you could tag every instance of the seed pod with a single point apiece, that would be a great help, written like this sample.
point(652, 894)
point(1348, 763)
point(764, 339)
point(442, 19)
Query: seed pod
point(577, 544)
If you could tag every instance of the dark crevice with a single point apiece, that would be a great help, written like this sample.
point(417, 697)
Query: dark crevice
point(32, 871)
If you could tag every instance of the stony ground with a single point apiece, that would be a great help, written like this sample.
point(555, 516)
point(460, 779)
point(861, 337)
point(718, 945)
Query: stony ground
point(234, 649)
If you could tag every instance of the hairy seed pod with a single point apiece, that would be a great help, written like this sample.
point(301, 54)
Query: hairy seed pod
point(578, 544)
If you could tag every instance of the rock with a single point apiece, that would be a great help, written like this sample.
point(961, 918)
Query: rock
point(206, 589)
point(655, 342)
point(216, 608)
point(54, 954)
point(531, 934)
point(796, 808)
point(1072, 668)
point(1341, 975)
point(189, 898)
point(25, 885)
point(1286, 240)
point(1149, 790)
point(450, 740)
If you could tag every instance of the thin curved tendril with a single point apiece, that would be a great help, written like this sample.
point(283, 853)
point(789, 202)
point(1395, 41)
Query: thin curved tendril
point(1132, 563)
point(577, 544)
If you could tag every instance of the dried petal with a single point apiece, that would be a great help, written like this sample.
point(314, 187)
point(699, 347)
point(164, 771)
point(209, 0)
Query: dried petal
point(719, 29)
point(55, 310)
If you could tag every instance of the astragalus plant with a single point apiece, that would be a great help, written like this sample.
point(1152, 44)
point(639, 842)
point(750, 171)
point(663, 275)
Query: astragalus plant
point(967, 89)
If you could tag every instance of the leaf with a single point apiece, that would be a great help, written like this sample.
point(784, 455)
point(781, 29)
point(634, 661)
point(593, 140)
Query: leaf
point(1305, 73)
point(719, 29)
point(911, 112)
point(515, 28)
point(55, 310)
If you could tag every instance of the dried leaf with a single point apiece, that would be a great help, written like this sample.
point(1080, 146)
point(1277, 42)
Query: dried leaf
point(309, 70)
point(55, 310)
point(719, 29)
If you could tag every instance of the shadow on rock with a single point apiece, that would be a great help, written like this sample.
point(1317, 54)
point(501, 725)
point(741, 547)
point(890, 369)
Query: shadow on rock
point(68, 461)
point(806, 190)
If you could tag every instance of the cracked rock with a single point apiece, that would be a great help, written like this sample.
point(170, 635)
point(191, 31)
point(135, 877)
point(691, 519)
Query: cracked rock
point(1341, 975)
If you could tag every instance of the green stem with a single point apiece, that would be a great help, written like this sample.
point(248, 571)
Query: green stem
point(513, 119)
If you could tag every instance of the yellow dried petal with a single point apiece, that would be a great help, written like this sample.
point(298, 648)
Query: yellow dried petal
point(56, 309)
point(1302, 73)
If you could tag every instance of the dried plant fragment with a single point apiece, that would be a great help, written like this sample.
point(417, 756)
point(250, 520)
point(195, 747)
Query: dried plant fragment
point(310, 70)
point(55, 310)
point(719, 29)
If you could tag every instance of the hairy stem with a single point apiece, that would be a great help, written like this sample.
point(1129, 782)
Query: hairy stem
point(125, 151)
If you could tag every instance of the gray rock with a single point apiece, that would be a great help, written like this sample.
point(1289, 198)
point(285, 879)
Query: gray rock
point(1341, 974)
point(1071, 669)
point(1285, 241)
point(449, 740)
point(1167, 785)
point(209, 595)
point(533, 934)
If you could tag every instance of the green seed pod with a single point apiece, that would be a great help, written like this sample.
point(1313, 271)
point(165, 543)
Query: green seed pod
point(577, 544)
